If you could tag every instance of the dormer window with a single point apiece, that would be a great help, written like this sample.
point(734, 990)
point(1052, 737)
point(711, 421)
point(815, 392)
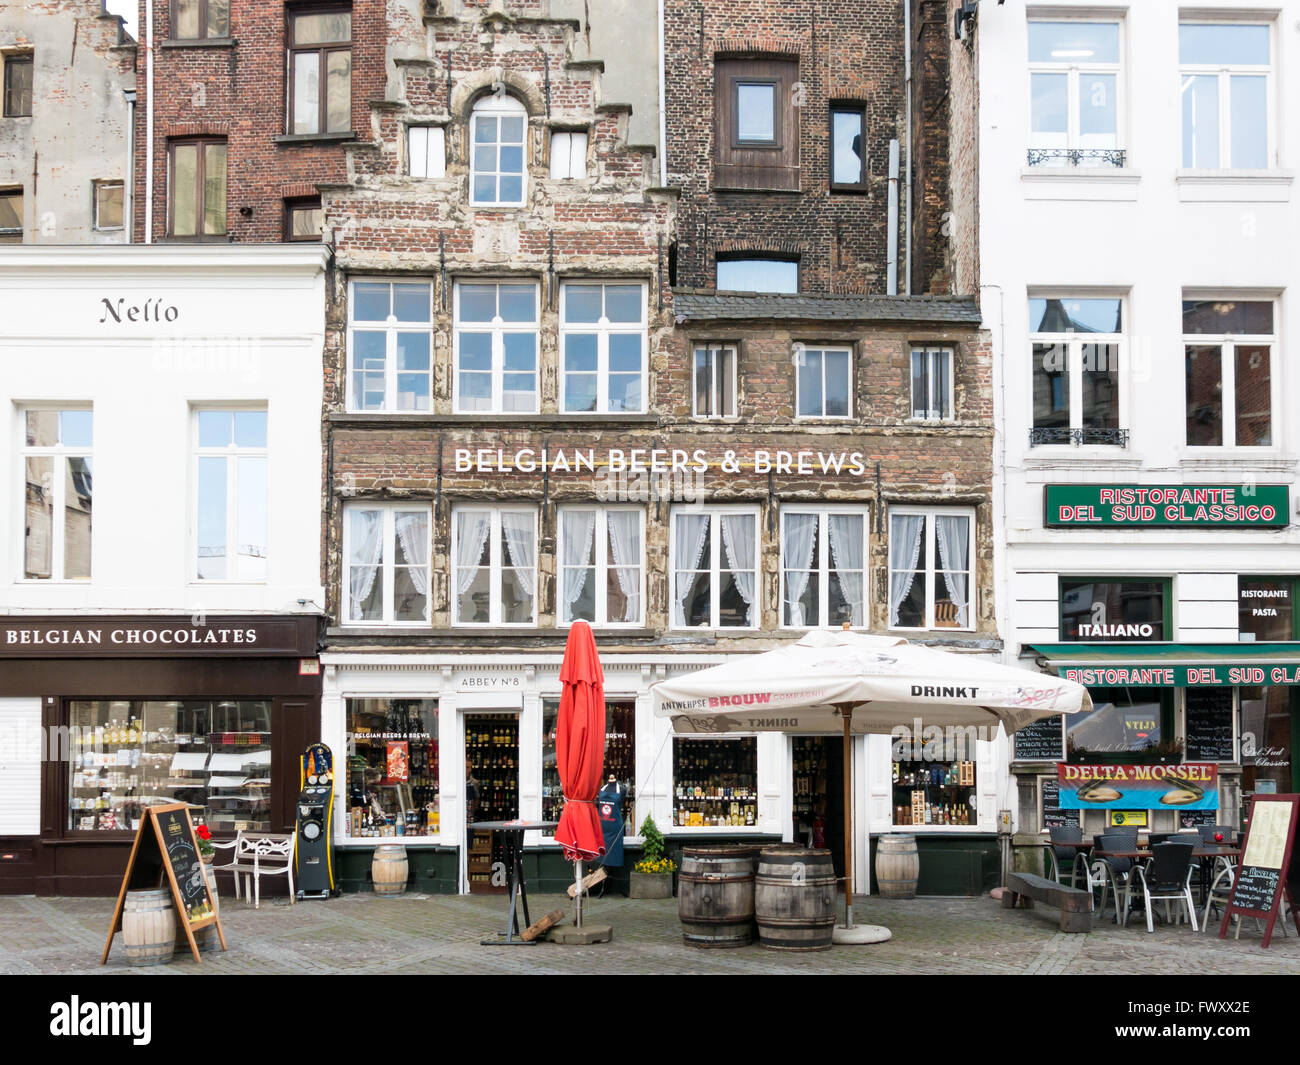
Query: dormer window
point(498, 139)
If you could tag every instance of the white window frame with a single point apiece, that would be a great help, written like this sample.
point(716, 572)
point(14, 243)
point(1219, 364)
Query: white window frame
point(387, 568)
point(494, 554)
point(497, 329)
point(603, 329)
point(229, 452)
point(60, 453)
point(823, 572)
point(711, 353)
point(930, 554)
point(946, 411)
point(1225, 73)
point(602, 564)
point(427, 161)
point(503, 105)
point(390, 328)
point(801, 350)
point(1227, 345)
point(568, 154)
point(1075, 70)
point(716, 555)
point(1074, 343)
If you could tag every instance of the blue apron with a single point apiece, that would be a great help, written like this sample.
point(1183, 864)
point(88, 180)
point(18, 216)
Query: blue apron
point(609, 808)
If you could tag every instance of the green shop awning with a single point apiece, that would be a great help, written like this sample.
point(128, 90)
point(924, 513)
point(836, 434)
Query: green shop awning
point(1173, 665)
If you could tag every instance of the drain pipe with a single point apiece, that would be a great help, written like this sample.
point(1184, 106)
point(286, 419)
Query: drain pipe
point(128, 183)
point(891, 265)
point(907, 104)
point(148, 122)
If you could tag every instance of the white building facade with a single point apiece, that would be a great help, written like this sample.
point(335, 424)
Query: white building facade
point(1138, 197)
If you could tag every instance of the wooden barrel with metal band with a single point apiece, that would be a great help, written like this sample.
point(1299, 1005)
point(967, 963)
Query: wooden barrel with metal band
point(715, 896)
point(389, 869)
point(898, 866)
point(149, 927)
point(794, 898)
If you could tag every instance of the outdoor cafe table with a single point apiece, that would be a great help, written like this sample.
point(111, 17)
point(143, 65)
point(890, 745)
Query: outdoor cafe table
point(513, 840)
point(1203, 852)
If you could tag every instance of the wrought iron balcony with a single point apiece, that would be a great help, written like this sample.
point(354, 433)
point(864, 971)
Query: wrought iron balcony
point(1081, 157)
point(1078, 437)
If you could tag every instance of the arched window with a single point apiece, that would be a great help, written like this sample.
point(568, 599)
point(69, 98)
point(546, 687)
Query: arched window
point(498, 137)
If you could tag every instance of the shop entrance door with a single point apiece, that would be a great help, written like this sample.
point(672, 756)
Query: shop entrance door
point(818, 790)
point(491, 794)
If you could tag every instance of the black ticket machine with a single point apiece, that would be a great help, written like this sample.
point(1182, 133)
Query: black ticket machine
point(313, 862)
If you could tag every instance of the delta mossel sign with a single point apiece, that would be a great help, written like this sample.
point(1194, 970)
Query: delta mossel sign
point(1200, 506)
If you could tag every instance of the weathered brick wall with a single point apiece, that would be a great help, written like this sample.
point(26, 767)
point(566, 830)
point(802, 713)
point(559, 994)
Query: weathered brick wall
point(963, 77)
point(931, 116)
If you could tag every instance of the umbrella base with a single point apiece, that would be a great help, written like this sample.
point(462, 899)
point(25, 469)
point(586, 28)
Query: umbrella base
point(581, 937)
point(860, 934)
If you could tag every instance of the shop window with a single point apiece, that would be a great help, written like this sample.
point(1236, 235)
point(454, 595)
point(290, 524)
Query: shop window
point(197, 188)
point(1266, 609)
point(620, 758)
point(231, 498)
point(1121, 720)
point(931, 553)
point(389, 337)
point(569, 154)
point(392, 772)
point(494, 566)
point(58, 494)
point(1267, 740)
point(938, 790)
point(1076, 347)
point(386, 580)
point(496, 340)
point(823, 568)
point(11, 216)
point(932, 383)
point(715, 574)
point(426, 151)
point(823, 382)
point(603, 340)
point(1228, 349)
point(758, 274)
point(108, 205)
point(127, 755)
point(1224, 70)
point(1104, 609)
point(848, 147)
point(1074, 83)
point(714, 388)
point(715, 782)
point(200, 19)
point(756, 124)
point(303, 219)
point(320, 71)
point(601, 565)
point(498, 131)
point(1209, 720)
point(18, 85)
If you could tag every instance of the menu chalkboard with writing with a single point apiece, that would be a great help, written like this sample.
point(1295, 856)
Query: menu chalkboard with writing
point(1040, 742)
point(166, 851)
point(1053, 815)
point(1260, 884)
point(1209, 724)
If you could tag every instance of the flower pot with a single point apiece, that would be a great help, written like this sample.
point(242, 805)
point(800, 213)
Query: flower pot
point(650, 886)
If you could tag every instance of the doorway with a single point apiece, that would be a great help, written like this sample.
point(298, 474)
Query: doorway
point(491, 794)
point(817, 787)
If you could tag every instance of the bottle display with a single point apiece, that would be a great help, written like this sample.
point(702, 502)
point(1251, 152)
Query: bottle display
point(809, 787)
point(491, 791)
point(715, 783)
point(620, 758)
point(392, 776)
point(934, 793)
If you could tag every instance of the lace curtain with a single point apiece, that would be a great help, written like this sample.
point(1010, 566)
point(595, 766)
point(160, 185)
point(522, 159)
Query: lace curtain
point(905, 532)
point(625, 546)
point(952, 535)
point(797, 544)
point(692, 533)
point(472, 528)
point(518, 531)
point(364, 557)
point(845, 533)
point(577, 533)
point(738, 542)
point(413, 536)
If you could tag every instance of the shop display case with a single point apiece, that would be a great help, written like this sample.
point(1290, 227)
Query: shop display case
point(715, 782)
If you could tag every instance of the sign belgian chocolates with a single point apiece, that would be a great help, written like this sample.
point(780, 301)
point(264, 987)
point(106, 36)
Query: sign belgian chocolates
point(152, 636)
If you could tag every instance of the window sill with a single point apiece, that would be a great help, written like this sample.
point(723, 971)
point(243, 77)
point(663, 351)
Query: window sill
point(1249, 459)
point(1233, 186)
point(169, 238)
point(386, 419)
point(1080, 183)
point(289, 139)
point(1079, 458)
point(198, 42)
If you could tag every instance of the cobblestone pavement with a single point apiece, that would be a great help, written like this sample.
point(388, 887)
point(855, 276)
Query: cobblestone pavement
point(440, 934)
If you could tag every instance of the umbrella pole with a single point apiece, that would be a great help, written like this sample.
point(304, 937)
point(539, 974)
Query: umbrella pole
point(848, 820)
point(577, 894)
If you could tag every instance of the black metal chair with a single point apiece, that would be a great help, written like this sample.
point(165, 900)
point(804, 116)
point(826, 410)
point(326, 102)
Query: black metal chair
point(1114, 874)
point(1167, 876)
point(1063, 857)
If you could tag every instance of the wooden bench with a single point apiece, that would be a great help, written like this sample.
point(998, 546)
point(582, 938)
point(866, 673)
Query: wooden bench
point(1074, 903)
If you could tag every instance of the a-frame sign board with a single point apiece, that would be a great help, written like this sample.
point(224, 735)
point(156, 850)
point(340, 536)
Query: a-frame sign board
point(1261, 882)
point(165, 847)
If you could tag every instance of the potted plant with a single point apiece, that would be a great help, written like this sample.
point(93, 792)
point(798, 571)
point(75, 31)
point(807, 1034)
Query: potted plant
point(204, 837)
point(652, 876)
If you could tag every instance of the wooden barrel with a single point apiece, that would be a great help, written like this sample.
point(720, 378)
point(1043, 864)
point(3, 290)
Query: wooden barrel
point(206, 938)
point(715, 896)
point(898, 866)
point(149, 927)
point(794, 898)
point(389, 869)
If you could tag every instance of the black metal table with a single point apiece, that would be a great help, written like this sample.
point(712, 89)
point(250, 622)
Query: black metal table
point(513, 833)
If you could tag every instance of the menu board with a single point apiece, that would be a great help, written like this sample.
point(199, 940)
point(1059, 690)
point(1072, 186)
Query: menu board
point(1261, 884)
point(181, 849)
point(1196, 818)
point(1053, 815)
point(1209, 724)
point(1040, 742)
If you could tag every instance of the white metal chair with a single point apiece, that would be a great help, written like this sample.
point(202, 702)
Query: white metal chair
point(259, 854)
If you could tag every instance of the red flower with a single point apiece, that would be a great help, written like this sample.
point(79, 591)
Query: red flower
point(202, 832)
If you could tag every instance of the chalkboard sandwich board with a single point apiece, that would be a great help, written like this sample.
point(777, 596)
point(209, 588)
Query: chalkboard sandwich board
point(165, 848)
point(1261, 882)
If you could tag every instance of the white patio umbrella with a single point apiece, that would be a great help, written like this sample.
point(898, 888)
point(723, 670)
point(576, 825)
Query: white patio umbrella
point(840, 680)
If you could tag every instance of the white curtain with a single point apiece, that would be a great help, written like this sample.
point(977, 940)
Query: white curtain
point(518, 530)
point(472, 528)
point(413, 535)
point(738, 542)
point(904, 550)
point(625, 545)
point(953, 536)
point(692, 535)
point(800, 537)
point(845, 533)
point(579, 529)
point(365, 556)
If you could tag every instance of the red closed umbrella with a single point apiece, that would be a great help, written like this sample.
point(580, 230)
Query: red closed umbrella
point(580, 745)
